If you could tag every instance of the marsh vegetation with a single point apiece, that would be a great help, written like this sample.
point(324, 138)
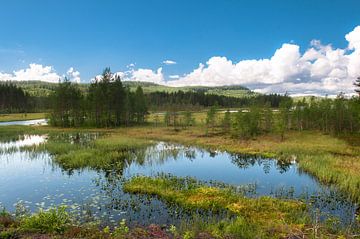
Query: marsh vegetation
point(91, 180)
point(106, 167)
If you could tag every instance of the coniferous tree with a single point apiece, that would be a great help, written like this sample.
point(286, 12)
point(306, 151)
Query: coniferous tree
point(167, 118)
point(188, 119)
point(357, 85)
point(268, 118)
point(211, 118)
point(140, 105)
point(226, 122)
point(67, 105)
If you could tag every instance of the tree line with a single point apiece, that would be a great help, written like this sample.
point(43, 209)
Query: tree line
point(106, 103)
point(13, 99)
point(337, 116)
point(187, 100)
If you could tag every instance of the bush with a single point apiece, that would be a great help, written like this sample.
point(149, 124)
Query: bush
point(50, 221)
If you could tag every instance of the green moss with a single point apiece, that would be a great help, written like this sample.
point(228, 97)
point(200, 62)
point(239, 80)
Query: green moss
point(265, 216)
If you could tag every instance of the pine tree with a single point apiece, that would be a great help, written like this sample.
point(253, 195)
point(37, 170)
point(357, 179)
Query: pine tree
point(211, 118)
point(167, 118)
point(226, 122)
point(188, 119)
point(140, 105)
point(357, 85)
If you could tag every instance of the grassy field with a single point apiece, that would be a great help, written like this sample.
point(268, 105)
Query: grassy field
point(21, 116)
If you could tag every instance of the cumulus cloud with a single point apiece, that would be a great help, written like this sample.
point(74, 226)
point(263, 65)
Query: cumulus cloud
point(169, 62)
point(321, 69)
point(174, 76)
point(35, 72)
point(38, 72)
point(148, 75)
point(73, 75)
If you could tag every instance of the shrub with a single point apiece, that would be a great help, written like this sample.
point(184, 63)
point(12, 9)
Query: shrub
point(50, 221)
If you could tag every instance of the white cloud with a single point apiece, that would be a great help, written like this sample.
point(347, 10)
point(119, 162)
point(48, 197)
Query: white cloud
point(35, 72)
point(147, 75)
point(73, 75)
point(321, 69)
point(38, 72)
point(169, 62)
point(174, 76)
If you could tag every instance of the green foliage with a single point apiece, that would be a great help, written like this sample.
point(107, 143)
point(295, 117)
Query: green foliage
point(226, 122)
point(253, 217)
point(122, 229)
point(106, 103)
point(268, 120)
point(67, 104)
point(8, 234)
point(247, 123)
point(13, 99)
point(140, 107)
point(188, 119)
point(167, 118)
point(211, 118)
point(110, 152)
point(55, 220)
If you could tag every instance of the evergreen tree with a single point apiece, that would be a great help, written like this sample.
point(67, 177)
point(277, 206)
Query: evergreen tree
point(357, 85)
point(268, 118)
point(67, 105)
point(140, 105)
point(188, 119)
point(211, 118)
point(226, 122)
point(167, 118)
point(283, 121)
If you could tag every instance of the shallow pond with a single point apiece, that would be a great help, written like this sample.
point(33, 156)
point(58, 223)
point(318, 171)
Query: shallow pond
point(25, 122)
point(31, 179)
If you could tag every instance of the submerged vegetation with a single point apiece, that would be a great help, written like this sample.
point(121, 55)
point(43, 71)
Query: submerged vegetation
point(99, 153)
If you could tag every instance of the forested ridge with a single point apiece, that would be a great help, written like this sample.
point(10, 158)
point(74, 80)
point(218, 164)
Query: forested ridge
point(37, 96)
point(14, 99)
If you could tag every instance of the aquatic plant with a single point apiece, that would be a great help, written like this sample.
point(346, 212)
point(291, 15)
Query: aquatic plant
point(54, 220)
point(264, 216)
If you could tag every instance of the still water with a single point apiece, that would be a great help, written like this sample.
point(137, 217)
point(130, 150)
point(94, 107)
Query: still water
point(32, 180)
point(25, 122)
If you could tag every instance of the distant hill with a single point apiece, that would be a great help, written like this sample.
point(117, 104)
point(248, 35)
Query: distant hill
point(39, 88)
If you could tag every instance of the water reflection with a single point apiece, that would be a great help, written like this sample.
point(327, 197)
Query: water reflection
point(96, 192)
point(22, 141)
point(246, 161)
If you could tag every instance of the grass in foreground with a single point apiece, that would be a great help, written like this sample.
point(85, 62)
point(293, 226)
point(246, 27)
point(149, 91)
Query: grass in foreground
point(58, 223)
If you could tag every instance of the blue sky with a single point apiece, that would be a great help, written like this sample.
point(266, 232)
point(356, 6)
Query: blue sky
point(90, 35)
